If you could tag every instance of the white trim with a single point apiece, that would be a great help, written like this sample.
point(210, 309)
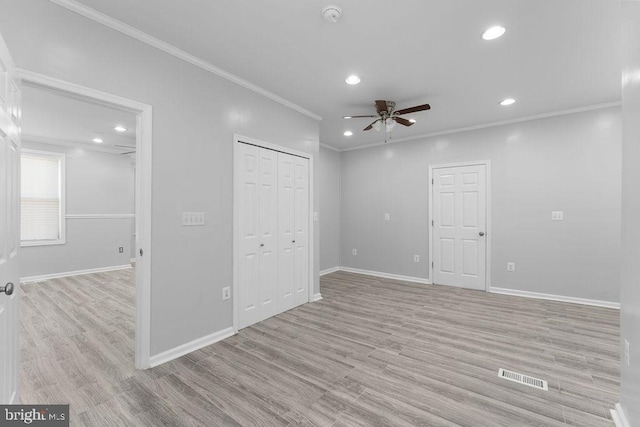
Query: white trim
point(130, 31)
point(551, 297)
point(42, 277)
point(62, 158)
point(386, 275)
point(329, 147)
point(190, 347)
point(237, 140)
point(491, 124)
point(316, 297)
point(132, 260)
point(619, 417)
point(70, 144)
point(101, 216)
point(329, 271)
point(488, 232)
point(144, 140)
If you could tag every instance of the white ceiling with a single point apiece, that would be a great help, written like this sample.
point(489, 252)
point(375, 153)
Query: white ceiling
point(49, 116)
point(556, 55)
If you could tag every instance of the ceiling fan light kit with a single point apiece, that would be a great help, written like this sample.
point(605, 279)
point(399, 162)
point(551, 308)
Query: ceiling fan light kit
point(389, 116)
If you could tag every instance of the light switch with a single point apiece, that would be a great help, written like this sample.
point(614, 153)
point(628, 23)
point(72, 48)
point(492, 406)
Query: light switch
point(557, 216)
point(192, 218)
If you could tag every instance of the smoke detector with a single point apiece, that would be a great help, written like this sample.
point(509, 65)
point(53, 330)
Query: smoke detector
point(331, 13)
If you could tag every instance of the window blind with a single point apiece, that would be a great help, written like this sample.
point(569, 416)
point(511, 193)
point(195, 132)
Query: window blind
point(41, 197)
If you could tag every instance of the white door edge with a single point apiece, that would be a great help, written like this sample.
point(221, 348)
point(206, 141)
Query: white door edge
point(240, 139)
point(489, 234)
point(143, 197)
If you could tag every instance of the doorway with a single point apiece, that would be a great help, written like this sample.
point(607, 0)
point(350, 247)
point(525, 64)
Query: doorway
point(142, 190)
point(459, 215)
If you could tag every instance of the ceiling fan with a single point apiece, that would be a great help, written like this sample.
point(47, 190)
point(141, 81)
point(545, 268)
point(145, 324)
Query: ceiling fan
point(387, 116)
point(126, 146)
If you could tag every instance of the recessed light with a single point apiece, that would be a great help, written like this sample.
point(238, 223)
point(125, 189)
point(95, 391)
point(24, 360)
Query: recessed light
point(347, 117)
point(97, 140)
point(493, 33)
point(120, 129)
point(348, 133)
point(507, 101)
point(412, 120)
point(353, 80)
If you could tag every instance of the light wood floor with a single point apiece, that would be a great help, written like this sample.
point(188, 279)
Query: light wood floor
point(372, 352)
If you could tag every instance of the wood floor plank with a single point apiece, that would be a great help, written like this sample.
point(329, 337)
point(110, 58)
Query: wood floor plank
point(372, 352)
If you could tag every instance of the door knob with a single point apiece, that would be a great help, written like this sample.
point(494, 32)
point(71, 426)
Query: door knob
point(262, 245)
point(481, 233)
point(8, 289)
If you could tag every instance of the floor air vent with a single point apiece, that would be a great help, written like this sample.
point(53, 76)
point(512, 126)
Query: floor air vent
point(523, 379)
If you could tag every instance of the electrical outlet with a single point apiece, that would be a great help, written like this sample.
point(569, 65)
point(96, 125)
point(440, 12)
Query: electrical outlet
point(511, 266)
point(627, 352)
point(387, 217)
point(557, 216)
point(354, 251)
point(226, 293)
point(416, 258)
point(120, 249)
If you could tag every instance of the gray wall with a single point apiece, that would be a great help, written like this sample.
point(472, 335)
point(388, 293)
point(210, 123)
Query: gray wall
point(569, 163)
point(96, 183)
point(329, 208)
point(630, 288)
point(195, 115)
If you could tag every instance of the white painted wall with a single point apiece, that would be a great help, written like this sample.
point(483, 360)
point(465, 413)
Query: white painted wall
point(195, 115)
point(329, 176)
point(96, 183)
point(569, 163)
point(630, 284)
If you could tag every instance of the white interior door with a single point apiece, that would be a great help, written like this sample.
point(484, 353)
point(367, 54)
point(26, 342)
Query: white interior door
point(459, 226)
point(9, 228)
point(286, 226)
point(301, 290)
point(268, 242)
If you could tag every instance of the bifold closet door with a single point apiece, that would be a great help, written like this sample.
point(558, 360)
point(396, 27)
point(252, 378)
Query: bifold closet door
point(257, 273)
point(301, 289)
point(287, 231)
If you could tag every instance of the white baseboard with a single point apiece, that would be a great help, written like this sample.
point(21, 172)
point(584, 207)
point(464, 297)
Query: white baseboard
point(316, 297)
point(132, 260)
point(190, 347)
point(385, 275)
point(619, 417)
point(329, 271)
point(560, 298)
point(73, 273)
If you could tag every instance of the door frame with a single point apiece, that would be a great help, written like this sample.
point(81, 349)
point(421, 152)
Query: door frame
point(237, 140)
point(488, 234)
point(142, 200)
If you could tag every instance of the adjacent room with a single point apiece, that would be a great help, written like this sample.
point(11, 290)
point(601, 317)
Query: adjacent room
point(302, 213)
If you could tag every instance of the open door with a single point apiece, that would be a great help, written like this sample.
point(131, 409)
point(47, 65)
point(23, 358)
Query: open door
point(9, 227)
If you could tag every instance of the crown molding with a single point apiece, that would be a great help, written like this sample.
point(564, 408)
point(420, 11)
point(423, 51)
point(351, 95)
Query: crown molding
point(130, 31)
point(490, 125)
point(329, 147)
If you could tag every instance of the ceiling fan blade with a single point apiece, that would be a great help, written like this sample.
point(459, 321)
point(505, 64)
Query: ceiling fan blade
point(128, 152)
point(371, 125)
point(125, 146)
point(413, 109)
point(357, 117)
point(402, 121)
point(381, 106)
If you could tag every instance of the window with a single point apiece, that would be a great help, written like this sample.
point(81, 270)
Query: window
point(42, 199)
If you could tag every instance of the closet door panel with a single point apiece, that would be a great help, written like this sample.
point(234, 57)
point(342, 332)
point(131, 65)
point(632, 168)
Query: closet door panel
point(286, 231)
point(268, 220)
point(301, 270)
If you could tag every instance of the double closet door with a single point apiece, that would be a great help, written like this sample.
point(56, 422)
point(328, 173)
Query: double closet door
point(272, 233)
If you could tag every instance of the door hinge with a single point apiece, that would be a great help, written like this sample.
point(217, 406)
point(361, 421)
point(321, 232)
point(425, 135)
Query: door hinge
point(432, 181)
point(432, 223)
point(432, 264)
